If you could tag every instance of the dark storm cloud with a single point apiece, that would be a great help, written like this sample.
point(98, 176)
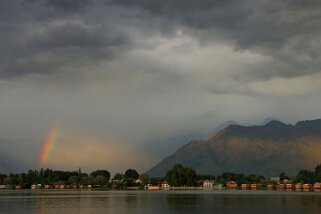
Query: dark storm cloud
point(77, 36)
point(285, 30)
point(249, 22)
point(69, 5)
point(45, 36)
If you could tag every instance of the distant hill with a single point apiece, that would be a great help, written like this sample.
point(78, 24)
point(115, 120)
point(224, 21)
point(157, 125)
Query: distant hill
point(16, 156)
point(161, 148)
point(267, 150)
point(225, 124)
point(158, 149)
point(267, 120)
point(9, 164)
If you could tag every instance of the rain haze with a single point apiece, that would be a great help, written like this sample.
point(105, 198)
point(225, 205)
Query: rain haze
point(116, 77)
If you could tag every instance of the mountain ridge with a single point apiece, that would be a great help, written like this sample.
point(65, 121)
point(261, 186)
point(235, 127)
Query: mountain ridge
point(267, 149)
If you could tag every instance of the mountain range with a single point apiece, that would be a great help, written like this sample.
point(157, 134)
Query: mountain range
point(264, 149)
point(8, 164)
point(16, 155)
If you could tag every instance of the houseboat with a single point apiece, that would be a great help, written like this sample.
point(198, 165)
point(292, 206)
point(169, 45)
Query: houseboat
point(245, 186)
point(289, 186)
point(280, 187)
point(255, 186)
point(270, 186)
point(298, 187)
point(165, 186)
point(207, 184)
point(317, 186)
point(231, 185)
point(307, 187)
point(151, 187)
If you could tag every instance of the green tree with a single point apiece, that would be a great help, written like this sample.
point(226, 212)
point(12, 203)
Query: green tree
point(144, 178)
point(282, 176)
point(179, 176)
point(100, 180)
point(32, 177)
point(9, 181)
point(131, 173)
point(104, 173)
point(189, 176)
point(155, 181)
point(73, 179)
point(2, 177)
point(174, 175)
point(118, 176)
point(317, 173)
point(305, 176)
point(87, 180)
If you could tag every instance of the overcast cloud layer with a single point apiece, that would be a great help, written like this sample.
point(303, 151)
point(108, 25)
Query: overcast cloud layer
point(137, 70)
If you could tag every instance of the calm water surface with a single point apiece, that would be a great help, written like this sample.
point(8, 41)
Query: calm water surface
point(47, 202)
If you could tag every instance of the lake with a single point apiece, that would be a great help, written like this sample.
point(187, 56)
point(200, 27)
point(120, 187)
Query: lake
point(56, 201)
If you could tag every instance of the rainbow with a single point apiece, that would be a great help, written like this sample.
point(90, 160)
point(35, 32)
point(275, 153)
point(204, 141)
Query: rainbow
point(48, 146)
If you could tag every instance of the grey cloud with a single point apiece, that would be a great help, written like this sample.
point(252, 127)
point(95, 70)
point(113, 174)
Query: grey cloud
point(37, 40)
point(78, 36)
point(61, 7)
point(69, 5)
point(249, 22)
point(287, 31)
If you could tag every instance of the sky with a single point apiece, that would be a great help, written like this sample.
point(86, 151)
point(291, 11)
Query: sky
point(113, 75)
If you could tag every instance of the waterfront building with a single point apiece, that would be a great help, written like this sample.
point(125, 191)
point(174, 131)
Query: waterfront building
point(6, 187)
point(153, 187)
point(245, 186)
point(317, 186)
point(307, 187)
point(232, 185)
point(208, 184)
point(280, 187)
point(289, 186)
point(270, 186)
point(255, 186)
point(165, 186)
point(299, 186)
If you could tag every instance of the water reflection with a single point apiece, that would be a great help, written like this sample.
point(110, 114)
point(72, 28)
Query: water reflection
point(159, 202)
point(183, 203)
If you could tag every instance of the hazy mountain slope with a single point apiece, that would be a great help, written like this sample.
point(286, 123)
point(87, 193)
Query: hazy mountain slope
point(158, 149)
point(266, 150)
point(161, 148)
point(9, 164)
point(16, 155)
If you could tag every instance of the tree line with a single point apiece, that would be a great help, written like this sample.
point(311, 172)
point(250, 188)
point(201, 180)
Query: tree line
point(99, 177)
point(306, 176)
point(178, 175)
